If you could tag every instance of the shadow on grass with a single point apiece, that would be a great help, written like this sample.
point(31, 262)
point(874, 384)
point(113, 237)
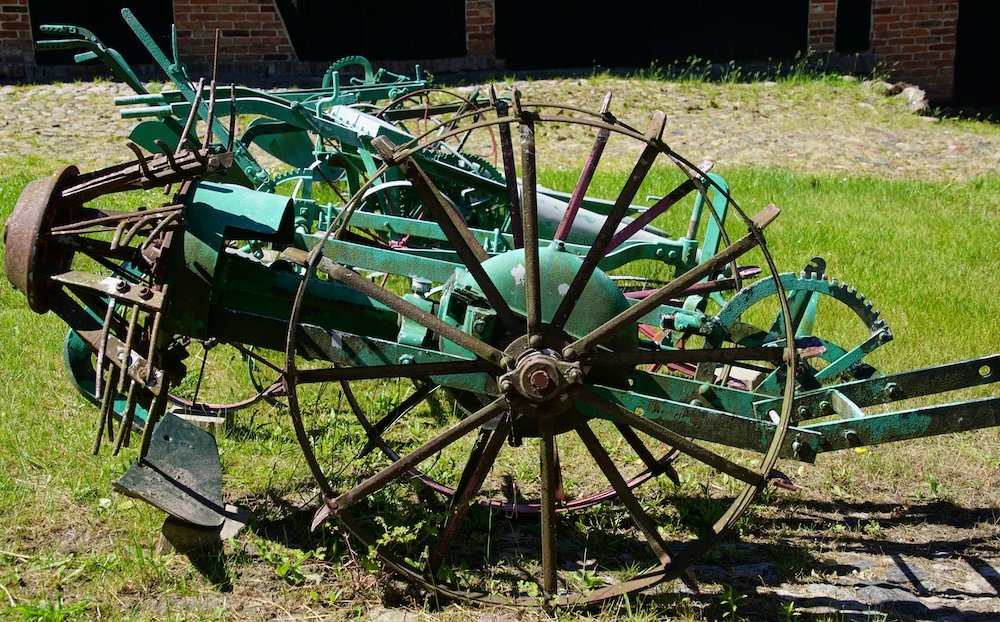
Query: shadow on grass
point(762, 573)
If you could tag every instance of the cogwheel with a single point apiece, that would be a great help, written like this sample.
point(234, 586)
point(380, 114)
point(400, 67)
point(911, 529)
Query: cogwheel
point(840, 291)
point(841, 361)
point(277, 180)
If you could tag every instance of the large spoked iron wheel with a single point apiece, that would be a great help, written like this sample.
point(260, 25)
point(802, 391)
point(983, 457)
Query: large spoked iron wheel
point(550, 401)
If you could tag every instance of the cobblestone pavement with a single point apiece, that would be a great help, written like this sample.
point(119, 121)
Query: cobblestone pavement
point(844, 127)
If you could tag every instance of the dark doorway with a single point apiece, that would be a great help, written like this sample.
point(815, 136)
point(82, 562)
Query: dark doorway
point(104, 19)
point(854, 25)
point(391, 29)
point(630, 33)
point(977, 54)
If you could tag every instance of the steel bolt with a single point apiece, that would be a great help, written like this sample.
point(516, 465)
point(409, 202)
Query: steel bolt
point(122, 287)
point(535, 341)
point(803, 411)
point(892, 390)
point(506, 386)
point(569, 353)
point(824, 407)
point(145, 293)
point(574, 375)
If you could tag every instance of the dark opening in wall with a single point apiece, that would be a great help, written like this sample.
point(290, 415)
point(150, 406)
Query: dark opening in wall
point(389, 29)
point(854, 26)
point(977, 53)
point(632, 33)
point(104, 19)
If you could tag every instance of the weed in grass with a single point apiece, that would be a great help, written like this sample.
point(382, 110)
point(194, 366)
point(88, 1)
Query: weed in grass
point(789, 612)
point(731, 602)
point(47, 610)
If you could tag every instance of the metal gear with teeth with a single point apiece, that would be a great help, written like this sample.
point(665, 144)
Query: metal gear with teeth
point(840, 361)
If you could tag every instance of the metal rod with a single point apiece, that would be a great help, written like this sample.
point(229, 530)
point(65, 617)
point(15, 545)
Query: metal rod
point(404, 464)
point(129, 335)
point(103, 344)
point(106, 404)
point(478, 467)
point(547, 476)
point(529, 227)
point(614, 477)
point(190, 119)
point(371, 372)
point(681, 283)
point(128, 416)
point(509, 170)
point(647, 216)
point(586, 175)
point(619, 414)
point(621, 205)
point(455, 229)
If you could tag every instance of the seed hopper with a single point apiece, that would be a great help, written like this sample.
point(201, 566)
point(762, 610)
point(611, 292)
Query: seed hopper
point(533, 376)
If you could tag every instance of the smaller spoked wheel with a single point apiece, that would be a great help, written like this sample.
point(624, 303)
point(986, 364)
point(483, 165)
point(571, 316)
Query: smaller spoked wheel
point(527, 386)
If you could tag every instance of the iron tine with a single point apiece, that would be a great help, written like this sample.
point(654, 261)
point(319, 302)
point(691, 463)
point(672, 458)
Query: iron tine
point(211, 114)
point(232, 115)
point(152, 339)
point(167, 220)
point(191, 117)
point(119, 230)
point(141, 159)
point(103, 344)
point(211, 96)
point(106, 404)
point(606, 105)
point(128, 416)
point(129, 336)
point(166, 151)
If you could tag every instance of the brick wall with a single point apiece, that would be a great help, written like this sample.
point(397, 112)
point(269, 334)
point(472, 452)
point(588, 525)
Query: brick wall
point(822, 25)
point(16, 51)
point(251, 30)
point(480, 28)
point(915, 40)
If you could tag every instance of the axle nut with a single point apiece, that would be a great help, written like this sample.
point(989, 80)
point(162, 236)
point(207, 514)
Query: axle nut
point(539, 380)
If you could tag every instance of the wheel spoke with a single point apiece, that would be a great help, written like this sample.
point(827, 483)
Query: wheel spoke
point(671, 289)
point(375, 431)
point(372, 372)
point(355, 281)
point(404, 464)
point(586, 176)
point(547, 450)
point(647, 217)
point(529, 225)
point(453, 226)
point(653, 464)
point(625, 197)
point(476, 469)
point(509, 170)
point(628, 499)
point(620, 414)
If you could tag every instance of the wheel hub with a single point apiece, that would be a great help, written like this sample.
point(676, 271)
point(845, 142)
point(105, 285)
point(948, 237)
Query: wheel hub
point(541, 376)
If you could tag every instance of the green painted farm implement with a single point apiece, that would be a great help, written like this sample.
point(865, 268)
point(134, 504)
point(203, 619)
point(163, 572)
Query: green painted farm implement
point(535, 375)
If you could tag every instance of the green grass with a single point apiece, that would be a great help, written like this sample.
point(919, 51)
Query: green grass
point(924, 252)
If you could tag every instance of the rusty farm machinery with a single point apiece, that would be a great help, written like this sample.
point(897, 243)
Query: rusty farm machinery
point(531, 373)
